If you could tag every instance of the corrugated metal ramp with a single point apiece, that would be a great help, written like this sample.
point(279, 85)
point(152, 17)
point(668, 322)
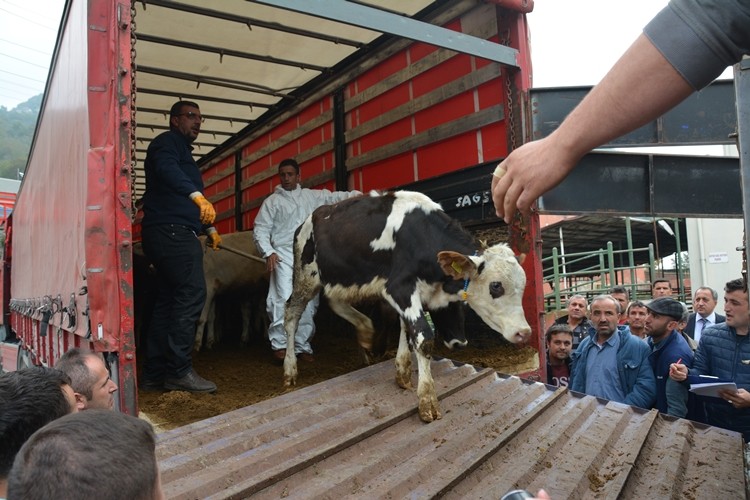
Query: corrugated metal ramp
point(358, 436)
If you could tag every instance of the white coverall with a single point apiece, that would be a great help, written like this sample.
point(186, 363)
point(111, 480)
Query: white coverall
point(279, 216)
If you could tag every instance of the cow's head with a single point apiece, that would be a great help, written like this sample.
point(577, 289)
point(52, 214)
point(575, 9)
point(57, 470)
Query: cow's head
point(495, 287)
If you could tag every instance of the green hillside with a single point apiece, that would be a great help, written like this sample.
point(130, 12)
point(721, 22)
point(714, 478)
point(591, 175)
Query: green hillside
point(16, 132)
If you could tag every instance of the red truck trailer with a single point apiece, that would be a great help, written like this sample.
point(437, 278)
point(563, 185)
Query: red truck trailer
point(366, 95)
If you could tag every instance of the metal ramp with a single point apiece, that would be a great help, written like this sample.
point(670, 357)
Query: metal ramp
point(358, 436)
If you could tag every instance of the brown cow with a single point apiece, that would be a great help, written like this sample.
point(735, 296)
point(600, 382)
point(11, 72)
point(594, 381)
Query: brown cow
point(227, 272)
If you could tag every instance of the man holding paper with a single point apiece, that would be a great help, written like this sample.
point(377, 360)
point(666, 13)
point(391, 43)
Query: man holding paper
point(724, 352)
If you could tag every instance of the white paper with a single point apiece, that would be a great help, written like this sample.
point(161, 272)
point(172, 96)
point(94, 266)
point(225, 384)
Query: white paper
point(712, 388)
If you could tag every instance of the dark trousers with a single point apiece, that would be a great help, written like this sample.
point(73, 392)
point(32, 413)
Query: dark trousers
point(176, 253)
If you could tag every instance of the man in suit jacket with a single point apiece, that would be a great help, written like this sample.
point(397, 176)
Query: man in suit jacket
point(704, 303)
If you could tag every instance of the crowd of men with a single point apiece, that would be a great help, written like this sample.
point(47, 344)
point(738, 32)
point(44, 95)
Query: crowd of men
point(57, 425)
point(643, 353)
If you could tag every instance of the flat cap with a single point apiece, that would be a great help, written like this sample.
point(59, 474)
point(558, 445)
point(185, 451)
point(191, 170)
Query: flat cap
point(667, 306)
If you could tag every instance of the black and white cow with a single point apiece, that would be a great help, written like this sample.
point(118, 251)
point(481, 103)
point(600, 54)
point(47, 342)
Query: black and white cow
point(448, 324)
point(402, 247)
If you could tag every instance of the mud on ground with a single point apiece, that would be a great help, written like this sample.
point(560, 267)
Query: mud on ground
point(246, 374)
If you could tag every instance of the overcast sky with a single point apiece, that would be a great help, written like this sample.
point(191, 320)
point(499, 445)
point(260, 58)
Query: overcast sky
point(574, 42)
point(28, 30)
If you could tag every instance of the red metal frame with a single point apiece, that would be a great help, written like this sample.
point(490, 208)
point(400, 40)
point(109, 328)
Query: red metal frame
point(107, 226)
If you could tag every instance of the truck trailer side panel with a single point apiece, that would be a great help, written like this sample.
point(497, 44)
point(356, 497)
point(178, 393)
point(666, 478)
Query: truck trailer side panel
point(70, 279)
point(394, 113)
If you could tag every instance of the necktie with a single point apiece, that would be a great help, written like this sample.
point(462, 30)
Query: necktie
point(702, 322)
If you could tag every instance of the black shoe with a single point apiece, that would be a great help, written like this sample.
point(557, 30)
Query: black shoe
point(192, 382)
point(151, 386)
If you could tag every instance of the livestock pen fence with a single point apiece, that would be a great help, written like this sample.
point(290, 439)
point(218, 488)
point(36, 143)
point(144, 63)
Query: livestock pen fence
point(596, 272)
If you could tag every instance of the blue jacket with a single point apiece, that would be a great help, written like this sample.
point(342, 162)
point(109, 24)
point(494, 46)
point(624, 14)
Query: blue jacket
point(636, 375)
point(672, 399)
point(724, 354)
point(171, 175)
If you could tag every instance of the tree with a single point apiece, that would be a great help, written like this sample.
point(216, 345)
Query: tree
point(16, 133)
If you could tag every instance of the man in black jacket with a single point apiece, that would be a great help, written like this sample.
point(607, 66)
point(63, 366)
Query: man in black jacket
point(174, 213)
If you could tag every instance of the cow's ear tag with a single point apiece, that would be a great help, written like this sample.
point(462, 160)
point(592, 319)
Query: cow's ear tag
point(457, 267)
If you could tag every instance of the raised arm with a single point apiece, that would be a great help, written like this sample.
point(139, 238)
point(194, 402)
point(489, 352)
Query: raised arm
point(641, 86)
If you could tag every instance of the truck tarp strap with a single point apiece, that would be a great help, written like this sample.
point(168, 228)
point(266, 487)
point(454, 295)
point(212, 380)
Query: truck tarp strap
point(46, 315)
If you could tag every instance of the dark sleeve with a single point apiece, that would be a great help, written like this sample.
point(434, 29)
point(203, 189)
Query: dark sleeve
point(700, 38)
point(677, 397)
point(701, 360)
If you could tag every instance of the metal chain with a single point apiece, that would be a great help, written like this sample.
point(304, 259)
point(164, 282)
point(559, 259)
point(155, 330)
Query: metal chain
point(133, 195)
point(518, 221)
point(509, 98)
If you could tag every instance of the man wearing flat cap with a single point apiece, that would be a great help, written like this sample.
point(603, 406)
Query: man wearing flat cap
point(667, 347)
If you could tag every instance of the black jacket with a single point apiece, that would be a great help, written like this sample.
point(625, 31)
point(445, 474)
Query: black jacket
point(171, 175)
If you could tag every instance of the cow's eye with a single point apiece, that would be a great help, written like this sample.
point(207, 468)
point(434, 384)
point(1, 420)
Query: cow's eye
point(496, 289)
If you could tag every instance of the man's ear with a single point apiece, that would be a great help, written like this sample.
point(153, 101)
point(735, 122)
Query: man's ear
point(81, 401)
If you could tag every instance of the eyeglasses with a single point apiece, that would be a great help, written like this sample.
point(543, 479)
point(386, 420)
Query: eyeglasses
point(192, 116)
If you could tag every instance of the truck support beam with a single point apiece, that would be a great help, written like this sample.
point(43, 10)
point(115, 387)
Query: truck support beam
point(742, 95)
point(393, 24)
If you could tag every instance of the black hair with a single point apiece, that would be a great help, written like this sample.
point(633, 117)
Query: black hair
point(60, 460)
point(635, 303)
point(289, 162)
point(29, 398)
point(661, 280)
point(176, 108)
point(557, 328)
point(737, 285)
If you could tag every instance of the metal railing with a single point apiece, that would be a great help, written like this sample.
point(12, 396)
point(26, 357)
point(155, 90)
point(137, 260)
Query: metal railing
point(595, 273)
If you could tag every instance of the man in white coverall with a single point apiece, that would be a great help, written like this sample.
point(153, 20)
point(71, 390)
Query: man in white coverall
point(279, 216)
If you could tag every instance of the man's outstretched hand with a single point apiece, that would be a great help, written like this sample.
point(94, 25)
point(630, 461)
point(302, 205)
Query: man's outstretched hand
point(526, 174)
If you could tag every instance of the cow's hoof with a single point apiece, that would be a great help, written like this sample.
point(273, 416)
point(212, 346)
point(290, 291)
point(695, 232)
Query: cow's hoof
point(404, 381)
point(369, 357)
point(289, 382)
point(429, 410)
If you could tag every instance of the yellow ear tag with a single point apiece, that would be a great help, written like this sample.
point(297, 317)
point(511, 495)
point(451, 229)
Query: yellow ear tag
point(456, 267)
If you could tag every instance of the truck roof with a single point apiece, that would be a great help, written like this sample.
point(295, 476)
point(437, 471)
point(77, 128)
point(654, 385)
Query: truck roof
point(243, 62)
